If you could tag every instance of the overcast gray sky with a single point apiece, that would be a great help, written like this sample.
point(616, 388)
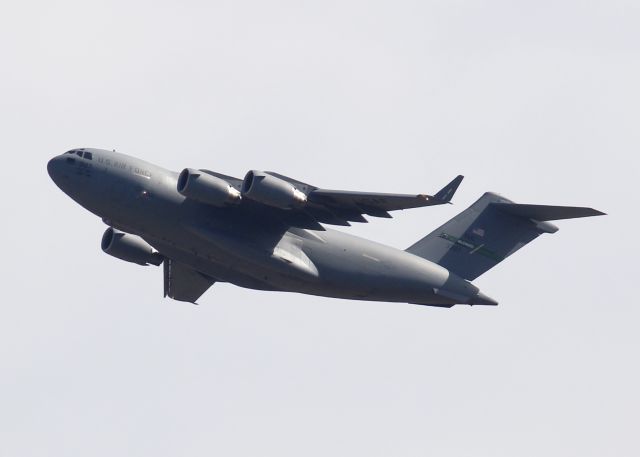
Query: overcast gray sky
point(539, 101)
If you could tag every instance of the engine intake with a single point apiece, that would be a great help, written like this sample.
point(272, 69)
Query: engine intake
point(130, 248)
point(205, 188)
point(272, 191)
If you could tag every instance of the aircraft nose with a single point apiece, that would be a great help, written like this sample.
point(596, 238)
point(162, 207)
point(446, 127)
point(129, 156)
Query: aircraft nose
point(59, 172)
point(53, 168)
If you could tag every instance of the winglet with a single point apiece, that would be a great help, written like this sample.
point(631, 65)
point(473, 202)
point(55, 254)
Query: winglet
point(446, 193)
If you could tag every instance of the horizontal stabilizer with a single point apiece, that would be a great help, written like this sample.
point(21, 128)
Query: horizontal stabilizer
point(546, 213)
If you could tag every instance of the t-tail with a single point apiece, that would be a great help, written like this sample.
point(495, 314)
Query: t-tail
point(488, 232)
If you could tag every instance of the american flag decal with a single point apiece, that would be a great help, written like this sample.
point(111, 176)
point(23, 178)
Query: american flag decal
point(478, 231)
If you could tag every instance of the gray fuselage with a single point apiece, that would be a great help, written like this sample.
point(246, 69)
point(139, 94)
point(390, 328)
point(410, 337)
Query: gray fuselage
point(249, 248)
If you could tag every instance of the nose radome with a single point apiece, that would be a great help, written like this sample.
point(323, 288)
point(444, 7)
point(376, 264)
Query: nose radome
point(51, 167)
point(54, 168)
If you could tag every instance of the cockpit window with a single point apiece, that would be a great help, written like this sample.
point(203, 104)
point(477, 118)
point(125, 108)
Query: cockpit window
point(81, 153)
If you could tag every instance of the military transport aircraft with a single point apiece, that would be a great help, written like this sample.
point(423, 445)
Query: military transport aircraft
point(266, 232)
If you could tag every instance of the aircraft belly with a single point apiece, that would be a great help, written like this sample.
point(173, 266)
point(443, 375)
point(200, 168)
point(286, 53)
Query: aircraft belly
point(238, 260)
point(339, 266)
point(352, 267)
point(221, 271)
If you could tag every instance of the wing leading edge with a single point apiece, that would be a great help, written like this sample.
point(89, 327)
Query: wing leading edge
point(372, 203)
point(339, 207)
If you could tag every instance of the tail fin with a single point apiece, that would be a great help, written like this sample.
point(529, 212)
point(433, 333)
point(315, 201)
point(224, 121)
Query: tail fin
point(489, 231)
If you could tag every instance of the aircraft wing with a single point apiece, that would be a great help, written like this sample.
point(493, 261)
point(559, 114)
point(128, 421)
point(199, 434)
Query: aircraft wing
point(183, 283)
point(340, 207)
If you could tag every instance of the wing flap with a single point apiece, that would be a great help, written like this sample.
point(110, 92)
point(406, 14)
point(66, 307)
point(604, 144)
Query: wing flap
point(183, 283)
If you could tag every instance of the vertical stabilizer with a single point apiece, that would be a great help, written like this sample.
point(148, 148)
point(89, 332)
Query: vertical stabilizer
point(489, 231)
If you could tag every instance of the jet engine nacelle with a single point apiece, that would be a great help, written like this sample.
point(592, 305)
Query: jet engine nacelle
point(130, 248)
point(205, 188)
point(272, 191)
